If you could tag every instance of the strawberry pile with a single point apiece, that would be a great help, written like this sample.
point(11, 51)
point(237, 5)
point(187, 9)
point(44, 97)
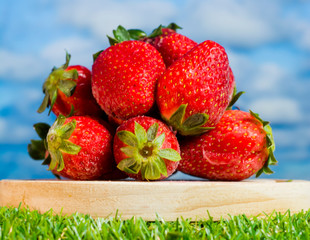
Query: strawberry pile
point(150, 106)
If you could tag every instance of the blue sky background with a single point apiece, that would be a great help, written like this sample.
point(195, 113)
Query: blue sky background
point(268, 44)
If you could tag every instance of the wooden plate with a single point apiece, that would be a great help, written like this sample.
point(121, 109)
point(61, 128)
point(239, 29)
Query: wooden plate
point(168, 199)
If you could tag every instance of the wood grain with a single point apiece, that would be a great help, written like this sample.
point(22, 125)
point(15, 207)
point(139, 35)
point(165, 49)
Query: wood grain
point(168, 199)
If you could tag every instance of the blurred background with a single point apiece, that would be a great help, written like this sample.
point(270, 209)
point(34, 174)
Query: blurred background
point(268, 44)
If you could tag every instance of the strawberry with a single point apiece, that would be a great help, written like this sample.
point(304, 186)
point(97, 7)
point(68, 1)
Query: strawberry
point(169, 43)
point(192, 94)
point(68, 90)
point(146, 149)
point(125, 77)
point(173, 46)
point(165, 39)
point(240, 145)
point(77, 147)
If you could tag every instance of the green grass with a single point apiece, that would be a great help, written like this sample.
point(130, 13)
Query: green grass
point(18, 223)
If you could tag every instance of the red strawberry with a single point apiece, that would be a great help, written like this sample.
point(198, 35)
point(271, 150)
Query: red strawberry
point(173, 46)
point(192, 94)
point(239, 146)
point(146, 149)
point(67, 89)
point(125, 77)
point(169, 43)
point(79, 147)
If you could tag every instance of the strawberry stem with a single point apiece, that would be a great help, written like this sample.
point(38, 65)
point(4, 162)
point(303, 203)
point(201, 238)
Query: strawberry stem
point(59, 79)
point(145, 153)
point(193, 125)
point(270, 145)
point(58, 143)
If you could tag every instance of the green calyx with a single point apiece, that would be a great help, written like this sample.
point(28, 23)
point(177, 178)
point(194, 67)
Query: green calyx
point(120, 34)
point(193, 125)
point(37, 149)
point(144, 152)
point(236, 95)
point(158, 31)
point(270, 145)
point(58, 143)
point(59, 79)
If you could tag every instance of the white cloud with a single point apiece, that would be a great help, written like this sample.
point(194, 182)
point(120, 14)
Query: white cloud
point(81, 50)
point(259, 78)
point(277, 109)
point(238, 23)
point(293, 137)
point(268, 77)
point(304, 32)
point(101, 17)
point(21, 67)
point(14, 131)
point(21, 99)
point(29, 67)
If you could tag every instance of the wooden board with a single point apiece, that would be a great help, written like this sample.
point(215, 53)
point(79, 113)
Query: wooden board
point(168, 199)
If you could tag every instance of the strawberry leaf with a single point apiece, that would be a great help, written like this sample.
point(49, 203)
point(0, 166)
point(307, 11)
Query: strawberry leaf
point(256, 115)
point(144, 153)
point(58, 143)
point(66, 64)
point(59, 79)
point(152, 132)
point(156, 32)
point(121, 34)
point(193, 125)
point(140, 134)
point(44, 103)
point(128, 138)
point(173, 26)
point(195, 120)
point(177, 117)
point(69, 75)
point(150, 170)
point(270, 146)
point(170, 154)
point(112, 41)
point(67, 87)
point(159, 141)
point(129, 151)
point(235, 98)
point(56, 157)
point(69, 147)
point(71, 111)
point(161, 166)
point(95, 55)
point(129, 165)
point(47, 160)
point(36, 149)
point(41, 129)
point(66, 130)
point(136, 34)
